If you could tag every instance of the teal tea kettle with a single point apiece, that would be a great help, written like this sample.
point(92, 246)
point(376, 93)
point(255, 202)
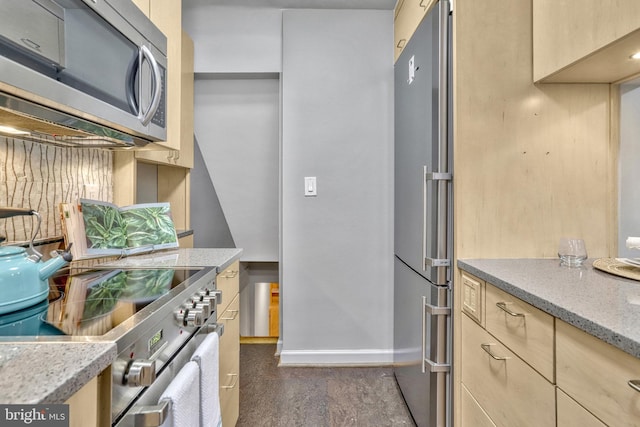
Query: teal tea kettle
point(24, 278)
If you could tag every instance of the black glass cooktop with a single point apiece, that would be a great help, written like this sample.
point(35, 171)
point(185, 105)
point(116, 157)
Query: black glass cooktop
point(92, 303)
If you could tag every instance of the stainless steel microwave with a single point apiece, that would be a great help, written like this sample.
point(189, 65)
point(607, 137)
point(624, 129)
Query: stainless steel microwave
point(94, 66)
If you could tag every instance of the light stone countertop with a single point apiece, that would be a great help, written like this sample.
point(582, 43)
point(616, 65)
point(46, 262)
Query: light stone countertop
point(601, 304)
point(52, 371)
point(48, 372)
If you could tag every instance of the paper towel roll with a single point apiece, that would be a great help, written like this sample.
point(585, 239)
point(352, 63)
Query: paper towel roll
point(633, 242)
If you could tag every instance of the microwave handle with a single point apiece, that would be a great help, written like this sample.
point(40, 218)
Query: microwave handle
point(145, 117)
point(134, 66)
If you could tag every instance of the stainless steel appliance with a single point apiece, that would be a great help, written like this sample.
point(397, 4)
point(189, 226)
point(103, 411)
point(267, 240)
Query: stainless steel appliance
point(423, 223)
point(88, 72)
point(156, 317)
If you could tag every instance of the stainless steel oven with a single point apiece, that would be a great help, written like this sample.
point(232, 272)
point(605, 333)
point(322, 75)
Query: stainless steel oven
point(156, 316)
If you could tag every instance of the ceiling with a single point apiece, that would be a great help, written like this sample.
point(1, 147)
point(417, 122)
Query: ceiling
point(298, 4)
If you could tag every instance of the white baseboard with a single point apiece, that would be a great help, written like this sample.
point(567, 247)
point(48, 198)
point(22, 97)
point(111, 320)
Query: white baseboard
point(376, 357)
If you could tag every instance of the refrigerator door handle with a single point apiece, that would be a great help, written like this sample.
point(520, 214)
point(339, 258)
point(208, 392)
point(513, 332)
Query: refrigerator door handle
point(438, 178)
point(432, 310)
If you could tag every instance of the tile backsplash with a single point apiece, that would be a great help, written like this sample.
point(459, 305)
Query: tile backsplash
point(39, 177)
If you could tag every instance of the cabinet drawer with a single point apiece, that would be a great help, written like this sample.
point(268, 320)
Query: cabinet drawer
point(596, 375)
point(570, 414)
point(230, 363)
point(472, 414)
point(228, 281)
point(527, 331)
point(510, 391)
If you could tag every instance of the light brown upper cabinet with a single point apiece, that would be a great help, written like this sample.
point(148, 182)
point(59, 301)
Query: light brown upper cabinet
point(167, 16)
point(585, 41)
point(408, 15)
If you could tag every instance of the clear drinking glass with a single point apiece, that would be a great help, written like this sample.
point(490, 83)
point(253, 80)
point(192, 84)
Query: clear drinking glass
point(572, 251)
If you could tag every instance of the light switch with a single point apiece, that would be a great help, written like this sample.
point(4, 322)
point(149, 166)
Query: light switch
point(310, 189)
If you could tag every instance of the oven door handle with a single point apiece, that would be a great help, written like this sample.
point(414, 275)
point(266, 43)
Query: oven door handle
point(218, 328)
point(150, 416)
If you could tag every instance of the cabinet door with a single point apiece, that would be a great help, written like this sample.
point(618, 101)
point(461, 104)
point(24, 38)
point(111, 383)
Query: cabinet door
point(83, 405)
point(408, 15)
point(228, 282)
point(596, 375)
point(230, 363)
point(185, 154)
point(585, 40)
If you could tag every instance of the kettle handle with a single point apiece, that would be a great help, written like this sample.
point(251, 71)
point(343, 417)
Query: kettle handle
point(9, 212)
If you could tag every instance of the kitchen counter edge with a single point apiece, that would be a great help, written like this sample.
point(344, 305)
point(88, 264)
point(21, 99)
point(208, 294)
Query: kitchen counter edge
point(50, 372)
point(600, 304)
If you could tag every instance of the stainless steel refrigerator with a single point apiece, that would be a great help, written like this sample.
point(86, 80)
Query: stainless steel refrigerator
point(423, 223)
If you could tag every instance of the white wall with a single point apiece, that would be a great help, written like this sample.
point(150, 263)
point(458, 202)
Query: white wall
point(234, 39)
point(337, 125)
point(236, 125)
point(336, 254)
point(629, 172)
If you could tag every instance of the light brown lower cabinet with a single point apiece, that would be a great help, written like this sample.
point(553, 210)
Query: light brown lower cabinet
point(507, 380)
point(597, 375)
point(83, 405)
point(229, 315)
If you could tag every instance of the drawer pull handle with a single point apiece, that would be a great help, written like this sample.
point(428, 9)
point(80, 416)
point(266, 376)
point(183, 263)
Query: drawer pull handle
point(487, 348)
point(503, 306)
point(234, 381)
point(634, 384)
point(234, 314)
point(230, 274)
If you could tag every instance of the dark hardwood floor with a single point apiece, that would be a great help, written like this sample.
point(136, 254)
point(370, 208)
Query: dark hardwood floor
point(315, 396)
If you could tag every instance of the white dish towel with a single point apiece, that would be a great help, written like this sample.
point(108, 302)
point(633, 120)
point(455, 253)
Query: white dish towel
point(184, 394)
point(206, 356)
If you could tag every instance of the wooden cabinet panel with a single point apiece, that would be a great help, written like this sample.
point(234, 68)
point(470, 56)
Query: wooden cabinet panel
point(230, 363)
point(570, 414)
point(585, 40)
point(472, 414)
point(509, 390)
point(83, 405)
point(185, 154)
point(408, 15)
point(228, 282)
point(174, 186)
point(229, 315)
point(186, 241)
point(523, 328)
point(596, 374)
